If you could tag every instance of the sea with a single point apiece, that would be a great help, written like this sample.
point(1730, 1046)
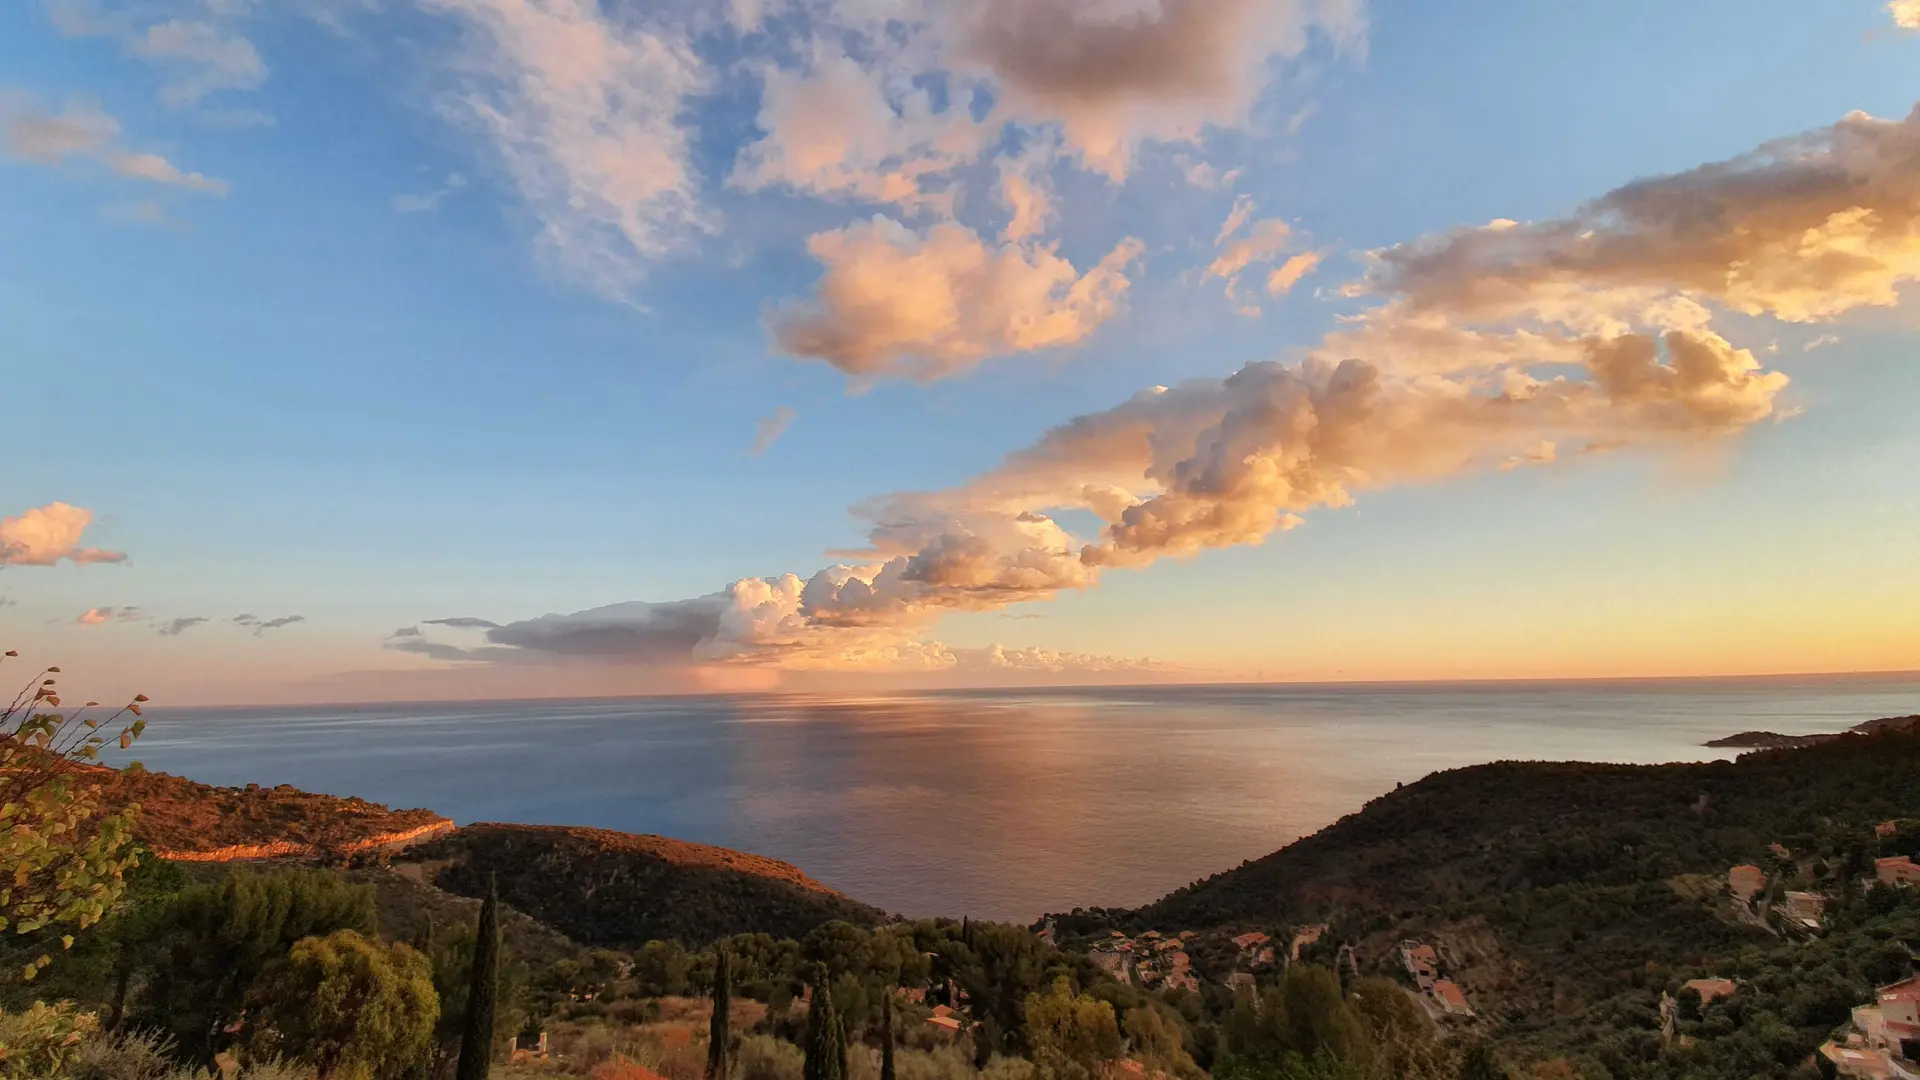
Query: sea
point(1000, 804)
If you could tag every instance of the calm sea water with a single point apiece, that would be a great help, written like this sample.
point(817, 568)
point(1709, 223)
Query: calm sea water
point(1000, 804)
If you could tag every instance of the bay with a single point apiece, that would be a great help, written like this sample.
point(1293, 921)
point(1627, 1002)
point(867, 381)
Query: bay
point(996, 804)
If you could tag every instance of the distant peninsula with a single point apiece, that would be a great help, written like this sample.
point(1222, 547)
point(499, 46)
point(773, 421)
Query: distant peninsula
point(1771, 740)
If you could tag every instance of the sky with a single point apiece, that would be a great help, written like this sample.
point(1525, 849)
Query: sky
point(408, 349)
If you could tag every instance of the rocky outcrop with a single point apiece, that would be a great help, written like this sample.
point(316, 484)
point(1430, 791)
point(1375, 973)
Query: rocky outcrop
point(288, 849)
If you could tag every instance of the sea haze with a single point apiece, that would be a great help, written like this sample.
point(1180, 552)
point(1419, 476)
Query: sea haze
point(998, 804)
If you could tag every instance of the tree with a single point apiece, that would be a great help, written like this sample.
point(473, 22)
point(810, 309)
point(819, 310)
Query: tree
point(1071, 1036)
point(826, 1041)
point(476, 1038)
point(886, 1038)
point(354, 1009)
point(208, 944)
point(719, 1030)
point(63, 856)
point(1478, 1063)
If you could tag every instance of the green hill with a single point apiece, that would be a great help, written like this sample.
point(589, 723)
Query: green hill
point(620, 890)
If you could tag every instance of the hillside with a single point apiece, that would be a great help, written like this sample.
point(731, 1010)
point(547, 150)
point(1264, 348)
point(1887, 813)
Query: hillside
point(187, 821)
point(1566, 898)
point(1468, 833)
point(620, 890)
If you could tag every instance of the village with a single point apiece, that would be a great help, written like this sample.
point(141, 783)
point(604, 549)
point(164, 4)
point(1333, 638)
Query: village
point(1881, 1041)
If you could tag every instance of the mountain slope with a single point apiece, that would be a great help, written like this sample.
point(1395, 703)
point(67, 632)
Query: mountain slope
point(620, 890)
point(187, 821)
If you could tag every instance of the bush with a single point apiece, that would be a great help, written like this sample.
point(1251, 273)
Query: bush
point(353, 1008)
point(763, 1057)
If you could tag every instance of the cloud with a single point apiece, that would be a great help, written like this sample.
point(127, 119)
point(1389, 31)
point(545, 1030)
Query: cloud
point(1289, 273)
point(1906, 13)
point(1000, 657)
point(1210, 177)
point(100, 616)
point(1264, 242)
point(584, 114)
point(261, 626)
point(1821, 342)
point(199, 56)
point(82, 130)
point(47, 534)
point(932, 304)
point(206, 58)
point(176, 627)
point(428, 202)
point(143, 212)
point(464, 623)
point(769, 428)
point(1803, 229)
point(839, 130)
point(1483, 349)
point(1026, 191)
point(1114, 75)
point(8, 601)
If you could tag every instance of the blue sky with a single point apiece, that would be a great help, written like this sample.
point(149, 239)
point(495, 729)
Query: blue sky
point(279, 391)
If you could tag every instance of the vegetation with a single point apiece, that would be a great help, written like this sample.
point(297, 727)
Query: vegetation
point(354, 1009)
point(477, 1032)
point(1572, 902)
point(719, 1031)
point(64, 852)
point(620, 891)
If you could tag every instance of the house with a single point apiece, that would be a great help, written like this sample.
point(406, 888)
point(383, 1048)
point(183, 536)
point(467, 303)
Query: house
point(948, 1024)
point(1711, 990)
point(1448, 995)
point(1189, 935)
point(1877, 1046)
point(1806, 909)
point(1252, 940)
point(1898, 870)
point(1780, 850)
point(1886, 829)
point(529, 1048)
point(1151, 935)
point(1240, 980)
point(1422, 963)
point(1306, 937)
point(1746, 882)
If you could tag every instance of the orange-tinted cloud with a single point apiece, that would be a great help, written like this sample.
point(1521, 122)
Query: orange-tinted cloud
point(898, 302)
point(47, 534)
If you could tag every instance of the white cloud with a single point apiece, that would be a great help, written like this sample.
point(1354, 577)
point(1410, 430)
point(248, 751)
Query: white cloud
point(82, 130)
point(769, 428)
point(205, 57)
point(198, 55)
point(585, 112)
point(1821, 342)
point(49, 534)
point(429, 201)
point(1288, 274)
point(898, 302)
point(1906, 13)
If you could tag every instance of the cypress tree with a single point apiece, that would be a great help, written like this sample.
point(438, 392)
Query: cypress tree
point(718, 1033)
point(476, 1036)
point(984, 1034)
point(826, 1041)
point(886, 1036)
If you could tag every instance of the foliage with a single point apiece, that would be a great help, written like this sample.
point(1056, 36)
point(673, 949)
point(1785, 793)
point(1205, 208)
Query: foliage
point(826, 1049)
point(719, 1029)
point(207, 944)
point(1071, 1036)
point(354, 1009)
point(763, 1057)
point(62, 853)
point(477, 1032)
point(43, 1040)
point(889, 1069)
point(616, 890)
